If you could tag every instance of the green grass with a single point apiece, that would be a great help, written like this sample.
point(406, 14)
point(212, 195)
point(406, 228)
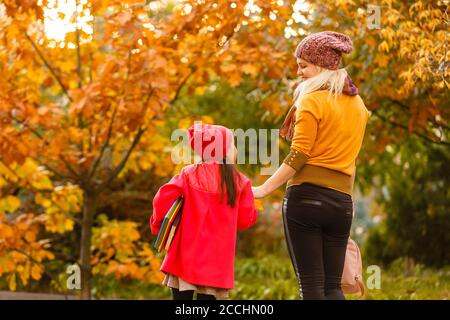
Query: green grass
point(422, 284)
point(271, 277)
point(268, 277)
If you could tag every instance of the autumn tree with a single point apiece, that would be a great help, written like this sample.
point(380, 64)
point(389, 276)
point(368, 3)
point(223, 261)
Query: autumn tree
point(80, 115)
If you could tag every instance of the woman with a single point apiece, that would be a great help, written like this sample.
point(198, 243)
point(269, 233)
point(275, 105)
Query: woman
point(326, 133)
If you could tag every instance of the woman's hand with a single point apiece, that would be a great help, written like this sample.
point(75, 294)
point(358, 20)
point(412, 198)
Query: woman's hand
point(259, 192)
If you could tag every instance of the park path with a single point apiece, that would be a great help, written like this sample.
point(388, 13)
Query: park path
point(9, 295)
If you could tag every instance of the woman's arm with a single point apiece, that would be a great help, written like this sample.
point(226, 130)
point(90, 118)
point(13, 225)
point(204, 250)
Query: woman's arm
point(280, 177)
point(305, 131)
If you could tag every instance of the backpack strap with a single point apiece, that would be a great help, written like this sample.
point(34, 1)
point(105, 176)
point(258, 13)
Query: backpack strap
point(361, 286)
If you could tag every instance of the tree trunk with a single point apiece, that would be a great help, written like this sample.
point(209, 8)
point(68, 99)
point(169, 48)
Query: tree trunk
point(85, 247)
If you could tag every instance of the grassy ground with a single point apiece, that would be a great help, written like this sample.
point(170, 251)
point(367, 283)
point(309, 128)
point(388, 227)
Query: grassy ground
point(275, 280)
point(272, 277)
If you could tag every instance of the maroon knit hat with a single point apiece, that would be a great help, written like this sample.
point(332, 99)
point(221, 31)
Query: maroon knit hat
point(324, 49)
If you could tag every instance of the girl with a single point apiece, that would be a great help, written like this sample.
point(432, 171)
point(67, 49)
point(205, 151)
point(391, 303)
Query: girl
point(320, 169)
point(218, 201)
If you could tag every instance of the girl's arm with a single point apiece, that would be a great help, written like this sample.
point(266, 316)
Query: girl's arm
point(246, 212)
point(163, 200)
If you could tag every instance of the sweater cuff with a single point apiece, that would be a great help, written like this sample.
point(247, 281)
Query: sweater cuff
point(296, 159)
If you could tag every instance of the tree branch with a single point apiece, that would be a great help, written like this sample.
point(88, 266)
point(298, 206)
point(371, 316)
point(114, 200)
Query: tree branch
point(116, 197)
point(41, 265)
point(124, 160)
point(194, 68)
point(61, 157)
point(104, 146)
point(183, 82)
point(54, 170)
point(110, 126)
point(399, 125)
point(47, 64)
point(77, 40)
point(29, 186)
point(405, 107)
point(79, 72)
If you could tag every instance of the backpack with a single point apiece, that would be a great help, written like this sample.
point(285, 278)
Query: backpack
point(352, 280)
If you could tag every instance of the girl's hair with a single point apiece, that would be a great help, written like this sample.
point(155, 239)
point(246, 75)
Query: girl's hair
point(334, 80)
point(227, 173)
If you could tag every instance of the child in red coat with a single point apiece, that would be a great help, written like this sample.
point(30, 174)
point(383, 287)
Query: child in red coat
point(218, 201)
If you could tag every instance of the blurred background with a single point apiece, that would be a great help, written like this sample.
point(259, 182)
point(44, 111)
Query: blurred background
point(91, 92)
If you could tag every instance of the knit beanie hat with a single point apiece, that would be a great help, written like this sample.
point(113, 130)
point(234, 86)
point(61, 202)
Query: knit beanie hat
point(324, 49)
point(211, 142)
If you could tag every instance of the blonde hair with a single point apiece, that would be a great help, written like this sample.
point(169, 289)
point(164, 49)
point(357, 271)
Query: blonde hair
point(333, 79)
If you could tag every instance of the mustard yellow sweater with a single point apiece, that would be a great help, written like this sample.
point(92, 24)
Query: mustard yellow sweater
point(327, 139)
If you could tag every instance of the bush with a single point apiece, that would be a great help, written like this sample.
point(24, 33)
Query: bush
point(265, 237)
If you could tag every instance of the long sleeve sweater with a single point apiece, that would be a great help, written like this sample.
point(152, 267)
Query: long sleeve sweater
point(327, 139)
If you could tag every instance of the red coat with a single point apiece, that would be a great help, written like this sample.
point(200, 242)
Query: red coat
point(203, 249)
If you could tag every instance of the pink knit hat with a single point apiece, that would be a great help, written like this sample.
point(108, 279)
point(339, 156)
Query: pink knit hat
point(324, 49)
point(211, 142)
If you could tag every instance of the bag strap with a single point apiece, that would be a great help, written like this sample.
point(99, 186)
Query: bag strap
point(361, 287)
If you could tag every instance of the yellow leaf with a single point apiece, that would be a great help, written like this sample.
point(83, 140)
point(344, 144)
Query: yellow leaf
point(382, 60)
point(207, 120)
point(228, 67)
point(12, 282)
point(5, 172)
point(2, 182)
point(200, 90)
point(144, 163)
point(184, 123)
point(23, 275)
point(27, 169)
point(39, 199)
point(9, 203)
point(383, 46)
point(250, 69)
point(57, 222)
point(6, 231)
point(30, 236)
point(49, 255)
point(42, 182)
point(258, 205)
point(235, 79)
point(67, 65)
point(36, 272)
point(68, 225)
